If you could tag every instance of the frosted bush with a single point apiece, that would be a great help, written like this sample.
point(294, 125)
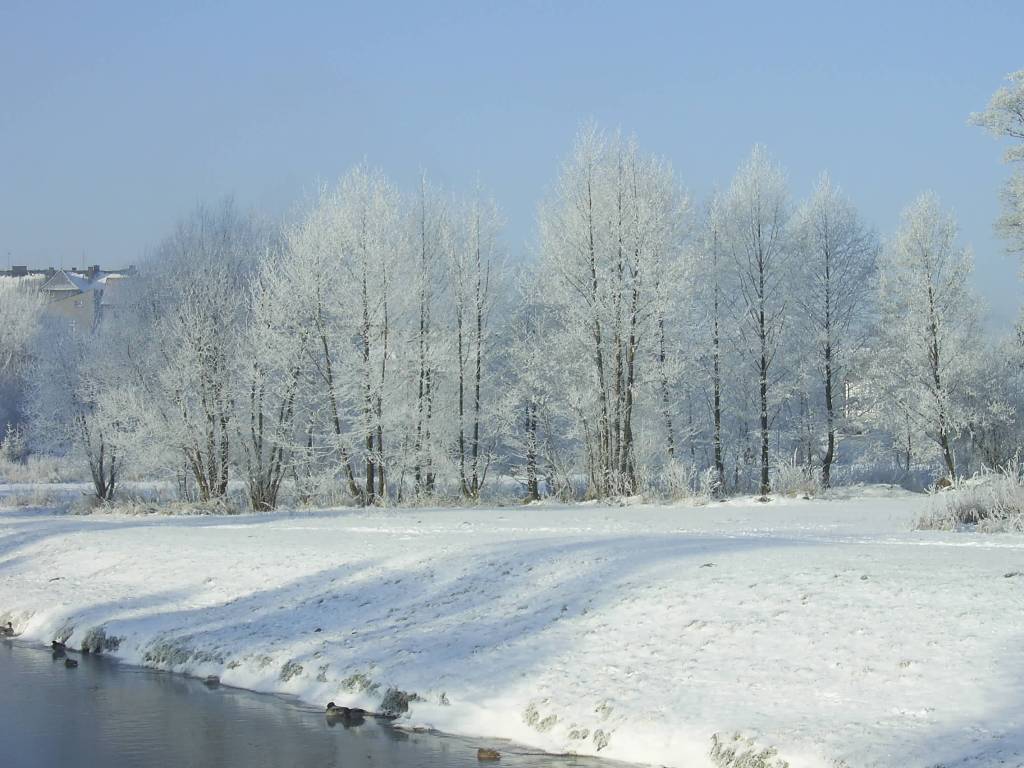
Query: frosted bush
point(796, 479)
point(162, 502)
point(992, 501)
point(13, 447)
point(314, 489)
point(680, 480)
point(35, 497)
point(38, 469)
point(710, 484)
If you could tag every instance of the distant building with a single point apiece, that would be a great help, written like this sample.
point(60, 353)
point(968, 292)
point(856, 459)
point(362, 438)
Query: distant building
point(84, 298)
point(20, 270)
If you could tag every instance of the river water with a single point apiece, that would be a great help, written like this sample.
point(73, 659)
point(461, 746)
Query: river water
point(105, 715)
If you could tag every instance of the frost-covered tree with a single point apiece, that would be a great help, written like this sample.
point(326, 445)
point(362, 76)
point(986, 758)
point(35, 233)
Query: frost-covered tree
point(533, 412)
point(611, 227)
point(340, 268)
point(714, 330)
point(837, 264)
point(392, 297)
point(526, 397)
point(73, 376)
point(430, 237)
point(186, 315)
point(21, 307)
point(1004, 117)
point(997, 408)
point(474, 273)
point(372, 243)
point(928, 327)
point(273, 352)
point(757, 218)
point(309, 277)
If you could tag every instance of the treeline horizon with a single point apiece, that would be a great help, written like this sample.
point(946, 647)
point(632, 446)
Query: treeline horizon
point(379, 345)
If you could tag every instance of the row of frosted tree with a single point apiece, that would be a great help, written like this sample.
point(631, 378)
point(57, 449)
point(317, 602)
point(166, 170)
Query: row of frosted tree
point(380, 347)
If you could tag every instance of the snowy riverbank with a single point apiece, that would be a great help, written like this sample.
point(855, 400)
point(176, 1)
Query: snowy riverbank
point(827, 630)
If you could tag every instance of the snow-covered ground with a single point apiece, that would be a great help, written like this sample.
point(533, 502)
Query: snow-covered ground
point(826, 630)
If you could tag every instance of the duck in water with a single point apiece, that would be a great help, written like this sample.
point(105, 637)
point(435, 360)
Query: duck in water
point(347, 716)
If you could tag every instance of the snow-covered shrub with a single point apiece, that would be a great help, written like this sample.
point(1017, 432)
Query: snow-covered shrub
point(709, 485)
point(13, 446)
point(795, 478)
point(989, 502)
point(680, 480)
point(685, 482)
point(677, 481)
point(44, 469)
point(313, 486)
point(162, 499)
point(40, 469)
point(34, 497)
point(222, 506)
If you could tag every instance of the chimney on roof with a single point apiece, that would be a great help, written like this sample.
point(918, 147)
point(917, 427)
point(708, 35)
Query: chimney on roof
point(92, 271)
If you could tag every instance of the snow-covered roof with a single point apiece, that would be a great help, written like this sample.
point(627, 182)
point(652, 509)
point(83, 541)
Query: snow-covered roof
point(63, 281)
point(69, 281)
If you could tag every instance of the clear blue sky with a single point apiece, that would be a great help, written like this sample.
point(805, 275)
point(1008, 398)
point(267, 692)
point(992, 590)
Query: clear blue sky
point(116, 118)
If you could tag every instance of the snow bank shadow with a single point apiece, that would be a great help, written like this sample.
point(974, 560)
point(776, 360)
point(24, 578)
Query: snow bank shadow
point(26, 532)
point(988, 737)
point(480, 619)
point(79, 625)
point(29, 527)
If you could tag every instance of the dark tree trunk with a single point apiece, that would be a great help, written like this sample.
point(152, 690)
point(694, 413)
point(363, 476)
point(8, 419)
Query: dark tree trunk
point(368, 410)
point(350, 475)
point(830, 450)
point(935, 359)
point(532, 485)
point(603, 432)
point(716, 374)
point(763, 393)
point(477, 480)
point(460, 351)
point(666, 409)
point(763, 387)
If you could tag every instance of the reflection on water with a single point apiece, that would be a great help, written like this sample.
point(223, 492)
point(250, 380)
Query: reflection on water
point(102, 715)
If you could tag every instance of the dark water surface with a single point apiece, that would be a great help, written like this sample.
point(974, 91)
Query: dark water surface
point(104, 715)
